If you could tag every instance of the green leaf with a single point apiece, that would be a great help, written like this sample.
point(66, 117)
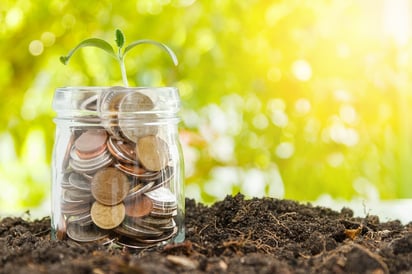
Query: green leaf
point(161, 45)
point(119, 38)
point(91, 42)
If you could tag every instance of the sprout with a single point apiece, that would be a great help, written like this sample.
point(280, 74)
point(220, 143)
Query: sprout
point(120, 55)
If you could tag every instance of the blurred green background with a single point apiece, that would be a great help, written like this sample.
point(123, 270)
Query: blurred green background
point(287, 98)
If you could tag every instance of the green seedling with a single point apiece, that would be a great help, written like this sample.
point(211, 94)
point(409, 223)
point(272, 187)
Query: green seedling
point(121, 50)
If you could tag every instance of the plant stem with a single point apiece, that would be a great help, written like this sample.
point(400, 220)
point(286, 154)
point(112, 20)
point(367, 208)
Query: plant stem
point(123, 71)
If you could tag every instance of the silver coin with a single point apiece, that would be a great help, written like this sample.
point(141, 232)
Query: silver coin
point(133, 132)
point(88, 233)
point(69, 196)
point(75, 208)
point(160, 239)
point(138, 190)
point(163, 214)
point(130, 243)
point(168, 226)
point(89, 162)
point(110, 101)
point(82, 220)
point(79, 196)
point(164, 208)
point(113, 146)
point(89, 103)
point(109, 108)
point(105, 162)
point(80, 182)
point(135, 107)
point(162, 195)
point(141, 230)
point(155, 222)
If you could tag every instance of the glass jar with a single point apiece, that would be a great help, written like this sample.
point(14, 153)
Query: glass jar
point(117, 166)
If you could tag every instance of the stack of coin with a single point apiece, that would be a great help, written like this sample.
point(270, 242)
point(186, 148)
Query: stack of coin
point(149, 219)
point(117, 177)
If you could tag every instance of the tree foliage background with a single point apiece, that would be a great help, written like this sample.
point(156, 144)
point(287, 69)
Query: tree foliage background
point(287, 98)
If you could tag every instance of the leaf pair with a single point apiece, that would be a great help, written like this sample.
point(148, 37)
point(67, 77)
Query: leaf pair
point(120, 40)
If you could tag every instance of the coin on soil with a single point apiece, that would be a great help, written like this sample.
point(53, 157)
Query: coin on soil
point(153, 152)
point(107, 217)
point(110, 186)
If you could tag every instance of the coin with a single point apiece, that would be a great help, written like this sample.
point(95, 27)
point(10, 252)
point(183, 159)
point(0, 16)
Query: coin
point(138, 189)
point(90, 143)
point(78, 181)
point(162, 195)
point(135, 102)
point(110, 101)
point(88, 233)
point(92, 165)
point(109, 107)
point(134, 107)
point(110, 186)
point(89, 103)
point(82, 220)
point(130, 243)
point(141, 230)
point(152, 152)
point(145, 126)
point(77, 196)
point(66, 158)
point(107, 217)
point(138, 207)
point(132, 170)
point(76, 208)
point(122, 150)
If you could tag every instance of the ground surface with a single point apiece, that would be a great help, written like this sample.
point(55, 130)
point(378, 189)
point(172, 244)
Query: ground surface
point(231, 236)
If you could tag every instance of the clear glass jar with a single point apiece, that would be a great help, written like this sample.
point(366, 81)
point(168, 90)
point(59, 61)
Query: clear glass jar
point(117, 166)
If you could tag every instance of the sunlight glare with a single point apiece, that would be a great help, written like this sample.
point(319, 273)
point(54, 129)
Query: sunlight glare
point(397, 21)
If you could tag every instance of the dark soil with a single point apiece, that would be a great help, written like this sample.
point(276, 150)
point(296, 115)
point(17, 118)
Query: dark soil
point(231, 236)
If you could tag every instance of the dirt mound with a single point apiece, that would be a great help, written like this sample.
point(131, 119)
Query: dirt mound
point(231, 236)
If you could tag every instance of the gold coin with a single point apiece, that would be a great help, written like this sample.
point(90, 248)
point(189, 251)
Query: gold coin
point(152, 152)
point(110, 186)
point(107, 217)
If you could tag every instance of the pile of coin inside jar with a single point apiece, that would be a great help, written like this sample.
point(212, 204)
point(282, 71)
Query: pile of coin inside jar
point(117, 175)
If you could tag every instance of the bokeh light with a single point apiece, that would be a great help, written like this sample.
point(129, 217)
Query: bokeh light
point(289, 99)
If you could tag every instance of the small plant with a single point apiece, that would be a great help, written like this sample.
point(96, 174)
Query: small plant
point(119, 55)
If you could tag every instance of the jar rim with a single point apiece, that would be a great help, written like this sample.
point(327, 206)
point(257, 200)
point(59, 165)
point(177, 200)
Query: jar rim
point(75, 101)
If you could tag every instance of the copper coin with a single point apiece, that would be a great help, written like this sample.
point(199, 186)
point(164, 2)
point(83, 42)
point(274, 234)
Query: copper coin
point(110, 186)
point(91, 141)
point(66, 158)
point(131, 169)
point(91, 155)
point(122, 150)
point(107, 217)
point(91, 166)
point(152, 152)
point(138, 207)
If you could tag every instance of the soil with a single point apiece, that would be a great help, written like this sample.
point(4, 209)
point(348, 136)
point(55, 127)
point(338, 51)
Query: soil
point(235, 235)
